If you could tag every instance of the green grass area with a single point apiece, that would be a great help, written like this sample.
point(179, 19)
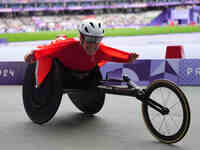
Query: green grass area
point(33, 36)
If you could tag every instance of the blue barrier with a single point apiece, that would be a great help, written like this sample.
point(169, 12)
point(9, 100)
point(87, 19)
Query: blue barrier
point(181, 71)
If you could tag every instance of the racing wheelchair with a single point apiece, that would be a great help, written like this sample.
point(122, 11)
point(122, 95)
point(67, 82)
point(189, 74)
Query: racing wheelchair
point(166, 122)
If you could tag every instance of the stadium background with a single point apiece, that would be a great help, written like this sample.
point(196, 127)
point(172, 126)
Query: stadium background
point(52, 15)
point(57, 15)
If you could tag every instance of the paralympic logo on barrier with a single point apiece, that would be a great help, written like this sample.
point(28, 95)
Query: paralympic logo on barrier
point(189, 72)
point(5, 72)
point(195, 71)
point(12, 73)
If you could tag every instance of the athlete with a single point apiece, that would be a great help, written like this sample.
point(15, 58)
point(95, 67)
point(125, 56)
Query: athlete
point(81, 58)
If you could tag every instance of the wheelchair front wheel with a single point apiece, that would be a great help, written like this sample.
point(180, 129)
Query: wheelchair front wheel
point(169, 128)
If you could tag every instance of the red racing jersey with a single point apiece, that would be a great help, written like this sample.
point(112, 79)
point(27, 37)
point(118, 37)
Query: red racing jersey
point(73, 56)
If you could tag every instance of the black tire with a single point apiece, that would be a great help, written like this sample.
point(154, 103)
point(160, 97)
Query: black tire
point(151, 120)
point(88, 101)
point(42, 103)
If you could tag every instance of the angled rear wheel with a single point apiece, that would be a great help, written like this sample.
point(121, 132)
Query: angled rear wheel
point(88, 101)
point(42, 103)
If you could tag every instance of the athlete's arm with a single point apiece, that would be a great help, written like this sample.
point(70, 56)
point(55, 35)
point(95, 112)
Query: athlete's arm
point(48, 50)
point(116, 55)
point(51, 49)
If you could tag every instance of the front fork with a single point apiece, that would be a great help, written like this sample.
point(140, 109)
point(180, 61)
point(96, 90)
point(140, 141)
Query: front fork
point(134, 90)
point(153, 104)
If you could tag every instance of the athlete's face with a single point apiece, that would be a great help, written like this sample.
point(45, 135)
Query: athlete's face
point(90, 44)
point(90, 48)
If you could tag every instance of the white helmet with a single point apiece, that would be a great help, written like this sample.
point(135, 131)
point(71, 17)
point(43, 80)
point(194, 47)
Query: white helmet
point(91, 27)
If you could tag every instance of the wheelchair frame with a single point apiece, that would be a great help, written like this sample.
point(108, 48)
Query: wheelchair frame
point(130, 90)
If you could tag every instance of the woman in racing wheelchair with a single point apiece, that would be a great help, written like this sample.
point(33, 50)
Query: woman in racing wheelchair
point(69, 64)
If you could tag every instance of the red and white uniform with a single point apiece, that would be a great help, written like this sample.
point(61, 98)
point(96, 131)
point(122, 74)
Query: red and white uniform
point(73, 56)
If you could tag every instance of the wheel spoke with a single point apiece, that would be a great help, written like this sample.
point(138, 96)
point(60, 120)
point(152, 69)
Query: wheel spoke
point(167, 128)
point(167, 99)
point(176, 115)
point(173, 120)
point(155, 116)
point(163, 120)
point(164, 98)
point(173, 105)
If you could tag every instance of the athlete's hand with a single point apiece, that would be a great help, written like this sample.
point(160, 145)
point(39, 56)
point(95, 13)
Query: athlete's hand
point(29, 58)
point(133, 57)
